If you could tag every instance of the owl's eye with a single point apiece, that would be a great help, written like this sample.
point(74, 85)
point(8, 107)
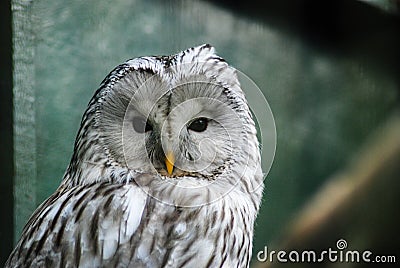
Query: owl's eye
point(199, 124)
point(141, 125)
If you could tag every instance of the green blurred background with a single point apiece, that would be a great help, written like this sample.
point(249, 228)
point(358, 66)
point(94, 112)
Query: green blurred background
point(328, 76)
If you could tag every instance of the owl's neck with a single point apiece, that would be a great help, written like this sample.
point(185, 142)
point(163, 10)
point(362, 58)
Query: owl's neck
point(87, 172)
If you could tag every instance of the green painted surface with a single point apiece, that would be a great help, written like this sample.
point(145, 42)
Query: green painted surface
point(325, 106)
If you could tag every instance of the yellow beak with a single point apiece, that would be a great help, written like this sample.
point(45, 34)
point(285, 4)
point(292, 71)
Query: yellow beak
point(169, 162)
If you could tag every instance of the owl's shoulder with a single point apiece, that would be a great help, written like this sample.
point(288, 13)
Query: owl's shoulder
point(92, 220)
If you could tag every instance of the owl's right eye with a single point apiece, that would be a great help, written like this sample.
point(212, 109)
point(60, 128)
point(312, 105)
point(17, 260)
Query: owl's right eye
point(141, 125)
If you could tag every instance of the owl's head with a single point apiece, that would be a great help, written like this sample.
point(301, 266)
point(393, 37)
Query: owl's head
point(181, 118)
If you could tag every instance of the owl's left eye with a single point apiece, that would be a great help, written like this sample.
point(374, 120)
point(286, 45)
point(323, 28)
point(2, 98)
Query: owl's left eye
point(199, 124)
point(141, 125)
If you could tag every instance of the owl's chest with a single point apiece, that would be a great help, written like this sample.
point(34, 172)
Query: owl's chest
point(192, 237)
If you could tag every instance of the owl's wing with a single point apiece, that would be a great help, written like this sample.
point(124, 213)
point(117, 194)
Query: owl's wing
point(82, 226)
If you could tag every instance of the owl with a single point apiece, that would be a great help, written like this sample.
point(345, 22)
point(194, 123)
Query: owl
point(165, 173)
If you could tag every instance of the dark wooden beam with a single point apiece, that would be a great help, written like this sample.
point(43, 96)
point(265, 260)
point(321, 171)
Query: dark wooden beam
point(6, 133)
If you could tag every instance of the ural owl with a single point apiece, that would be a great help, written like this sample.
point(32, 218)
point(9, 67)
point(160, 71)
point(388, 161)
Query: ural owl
point(165, 173)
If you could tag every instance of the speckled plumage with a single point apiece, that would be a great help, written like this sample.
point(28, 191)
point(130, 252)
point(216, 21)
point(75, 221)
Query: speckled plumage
point(118, 206)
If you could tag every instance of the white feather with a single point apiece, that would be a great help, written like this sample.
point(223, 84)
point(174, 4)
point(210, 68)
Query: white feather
point(135, 201)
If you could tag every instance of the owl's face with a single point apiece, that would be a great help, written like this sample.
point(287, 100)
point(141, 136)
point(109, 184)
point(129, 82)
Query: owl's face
point(186, 129)
point(181, 117)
